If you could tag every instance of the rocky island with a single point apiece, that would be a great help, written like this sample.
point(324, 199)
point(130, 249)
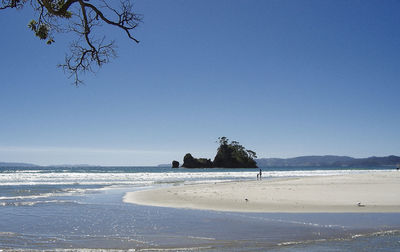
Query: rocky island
point(229, 155)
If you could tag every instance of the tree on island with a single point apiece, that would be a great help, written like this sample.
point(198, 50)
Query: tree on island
point(229, 155)
point(233, 155)
point(82, 18)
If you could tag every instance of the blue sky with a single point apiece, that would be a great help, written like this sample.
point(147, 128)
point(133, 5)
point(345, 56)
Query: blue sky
point(284, 78)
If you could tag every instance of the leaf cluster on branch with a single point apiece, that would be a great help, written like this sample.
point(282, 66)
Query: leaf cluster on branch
point(84, 18)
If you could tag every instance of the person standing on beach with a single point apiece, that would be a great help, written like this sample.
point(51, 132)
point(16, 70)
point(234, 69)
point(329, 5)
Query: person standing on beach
point(260, 174)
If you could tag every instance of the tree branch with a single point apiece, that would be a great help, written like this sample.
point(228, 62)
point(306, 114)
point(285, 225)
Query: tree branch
point(121, 22)
point(87, 53)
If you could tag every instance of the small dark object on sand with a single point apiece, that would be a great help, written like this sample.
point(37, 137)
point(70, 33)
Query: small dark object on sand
point(247, 200)
point(360, 205)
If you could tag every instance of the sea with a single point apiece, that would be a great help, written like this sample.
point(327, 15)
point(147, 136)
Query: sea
point(81, 209)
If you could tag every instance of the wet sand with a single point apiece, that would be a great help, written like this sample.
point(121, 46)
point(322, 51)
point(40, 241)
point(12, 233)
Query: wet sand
point(374, 192)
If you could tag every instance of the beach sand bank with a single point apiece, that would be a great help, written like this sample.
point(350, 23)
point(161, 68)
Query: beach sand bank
point(375, 191)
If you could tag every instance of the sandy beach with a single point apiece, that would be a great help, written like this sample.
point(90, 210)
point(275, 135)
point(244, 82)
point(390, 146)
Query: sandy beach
point(370, 192)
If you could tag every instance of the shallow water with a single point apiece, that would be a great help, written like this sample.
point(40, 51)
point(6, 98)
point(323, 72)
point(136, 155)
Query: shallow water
point(68, 211)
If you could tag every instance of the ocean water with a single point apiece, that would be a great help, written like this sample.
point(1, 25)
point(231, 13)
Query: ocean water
point(81, 208)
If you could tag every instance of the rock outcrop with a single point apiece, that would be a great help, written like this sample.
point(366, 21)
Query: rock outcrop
point(190, 162)
point(175, 164)
point(229, 155)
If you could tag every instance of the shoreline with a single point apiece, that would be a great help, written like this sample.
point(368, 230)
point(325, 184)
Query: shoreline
point(377, 192)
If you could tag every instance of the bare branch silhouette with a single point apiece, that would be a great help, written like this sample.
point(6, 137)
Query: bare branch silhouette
point(89, 50)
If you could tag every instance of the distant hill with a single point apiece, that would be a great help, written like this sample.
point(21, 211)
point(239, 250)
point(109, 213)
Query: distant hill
point(72, 165)
point(328, 161)
point(164, 165)
point(12, 164)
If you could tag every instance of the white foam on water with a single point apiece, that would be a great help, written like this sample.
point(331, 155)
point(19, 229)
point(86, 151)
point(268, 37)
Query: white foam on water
point(379, 233)
point(8, 234)
point(280, 220)
point(43, 195)
point(33, 203)
point(56, 192)
point(148, 178)
point(353, 237)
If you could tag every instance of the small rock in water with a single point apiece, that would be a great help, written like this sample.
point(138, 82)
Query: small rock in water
point(175, 164)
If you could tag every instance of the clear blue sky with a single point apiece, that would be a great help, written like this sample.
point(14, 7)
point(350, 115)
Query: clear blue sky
point(284, 78)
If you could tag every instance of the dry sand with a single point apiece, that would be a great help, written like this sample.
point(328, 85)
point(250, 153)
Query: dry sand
point(377, 192)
